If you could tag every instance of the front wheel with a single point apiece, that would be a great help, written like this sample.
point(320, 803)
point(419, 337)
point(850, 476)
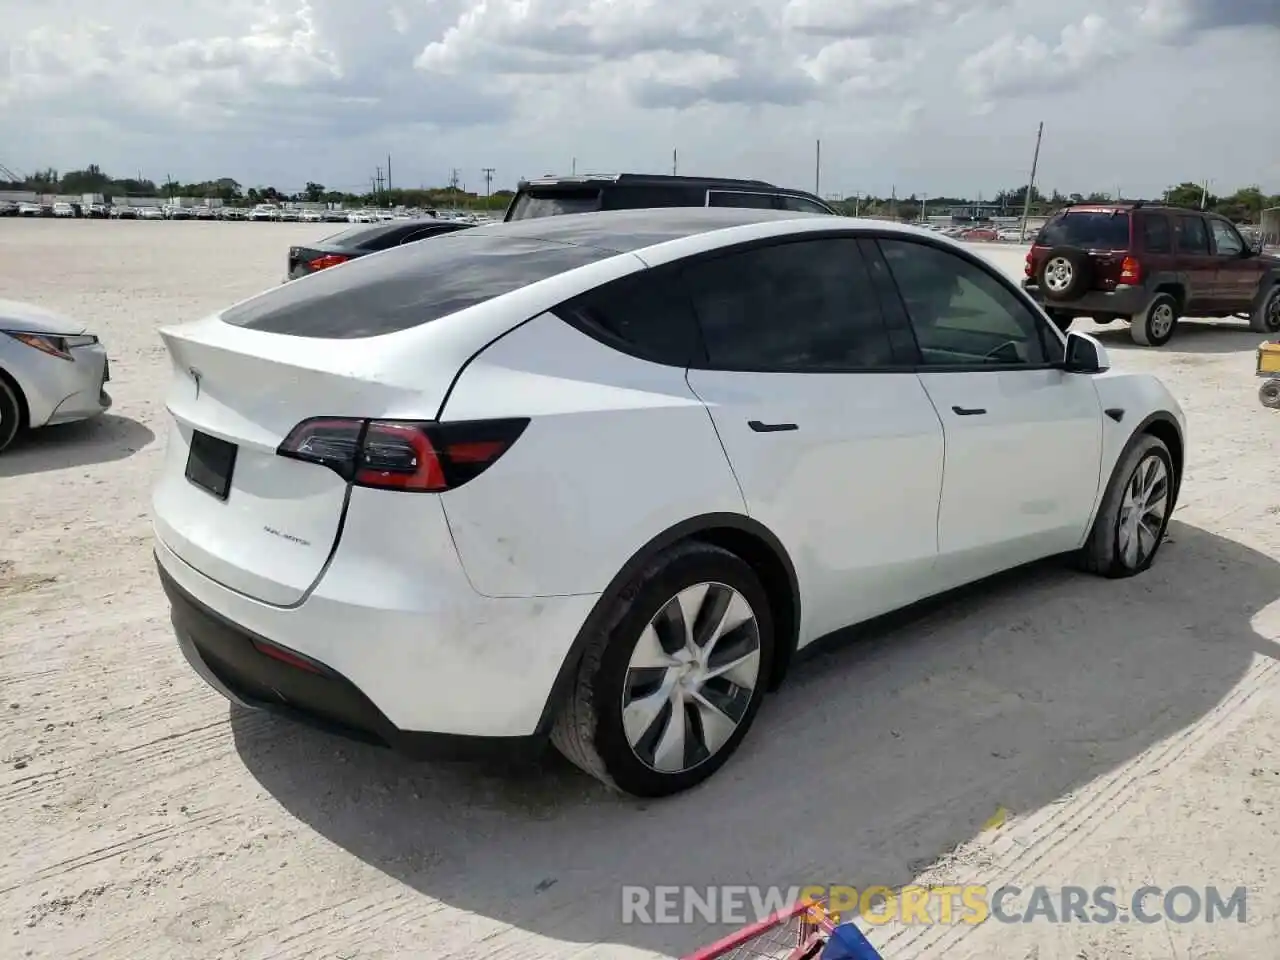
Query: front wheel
point(668, 688)
point(10, 414)
point(1134, 513)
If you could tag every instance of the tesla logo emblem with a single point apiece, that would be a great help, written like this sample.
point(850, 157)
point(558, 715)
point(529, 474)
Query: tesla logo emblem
point(196, 375)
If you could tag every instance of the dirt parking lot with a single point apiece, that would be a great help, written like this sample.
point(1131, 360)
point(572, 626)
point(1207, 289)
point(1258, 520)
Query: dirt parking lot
point(1126, 727)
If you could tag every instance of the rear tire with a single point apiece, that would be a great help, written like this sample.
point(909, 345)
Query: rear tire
point(10, 414)
point(608, 726)
point(1134, 514)
point(1156, 326)
point(1266, 319)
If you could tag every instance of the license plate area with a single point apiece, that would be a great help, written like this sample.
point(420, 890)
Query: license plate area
point(210, 464)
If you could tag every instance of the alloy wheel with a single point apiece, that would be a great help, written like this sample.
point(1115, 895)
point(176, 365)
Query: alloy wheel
point(1057, 274)
point(1142, 511)
point(691, 678)
point(1273, 312)
point(1161, 320)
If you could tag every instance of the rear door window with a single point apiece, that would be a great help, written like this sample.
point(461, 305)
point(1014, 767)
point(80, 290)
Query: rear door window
point(1091, 230)
point(803, 306)
point(554, 202)
point(408, 286)
point(1156, 237)
point(633, 196)
point(1190, 234)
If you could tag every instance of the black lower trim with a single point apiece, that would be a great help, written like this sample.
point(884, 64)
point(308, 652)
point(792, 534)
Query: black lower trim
point(326, 699)
point(1125, 302)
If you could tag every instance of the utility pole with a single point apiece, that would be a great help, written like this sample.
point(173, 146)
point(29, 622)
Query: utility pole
point(1204, 194)
point(388, 174)
point(817, 167)
point(453, 188)
point(1031, 184)
point(488, 182)
point(675, 162)
point(573, 167)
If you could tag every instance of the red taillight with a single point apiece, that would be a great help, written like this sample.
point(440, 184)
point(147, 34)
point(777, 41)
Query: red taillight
point(1028, 268)
point(286, 657)
point(421, 456)
point(328, 260)
point(1130, 270)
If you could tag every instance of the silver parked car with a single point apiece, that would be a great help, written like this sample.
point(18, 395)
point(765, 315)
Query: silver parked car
point(51, 370)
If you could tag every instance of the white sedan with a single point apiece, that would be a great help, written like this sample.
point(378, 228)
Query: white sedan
point(599, 477)
point(51, 370)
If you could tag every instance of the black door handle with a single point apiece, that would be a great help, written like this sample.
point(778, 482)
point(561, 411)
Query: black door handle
point(969, 411)
point(759, 427)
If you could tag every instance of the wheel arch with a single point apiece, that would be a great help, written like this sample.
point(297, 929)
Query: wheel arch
point(737, 533)
point(1164, 427)
point(24, 411)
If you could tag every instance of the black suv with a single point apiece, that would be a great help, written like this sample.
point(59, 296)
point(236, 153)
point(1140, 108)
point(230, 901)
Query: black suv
point(552, 196)
point(1151, 265)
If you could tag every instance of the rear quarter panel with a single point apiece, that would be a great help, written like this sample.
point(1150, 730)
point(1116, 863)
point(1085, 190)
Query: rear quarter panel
point(618, 450)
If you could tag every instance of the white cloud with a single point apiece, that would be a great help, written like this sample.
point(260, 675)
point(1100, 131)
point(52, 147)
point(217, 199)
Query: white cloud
point(291, 90)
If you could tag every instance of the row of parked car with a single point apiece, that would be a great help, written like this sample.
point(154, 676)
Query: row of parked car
point(261, 212)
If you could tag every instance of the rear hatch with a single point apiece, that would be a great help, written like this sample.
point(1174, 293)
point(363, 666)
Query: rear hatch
point(227, 504)
point(381, 338)
point(554, 200)
point(1105, 232)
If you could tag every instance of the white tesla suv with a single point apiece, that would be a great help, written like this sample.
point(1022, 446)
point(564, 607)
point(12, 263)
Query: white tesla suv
point(599, 476)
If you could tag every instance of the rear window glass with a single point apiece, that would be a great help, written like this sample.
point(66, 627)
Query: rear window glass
point(354, 236)
point(1093, 231)
point(553, 203)
point(407, 286)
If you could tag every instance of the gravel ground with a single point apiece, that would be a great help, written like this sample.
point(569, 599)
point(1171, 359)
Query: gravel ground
point(1125, 727)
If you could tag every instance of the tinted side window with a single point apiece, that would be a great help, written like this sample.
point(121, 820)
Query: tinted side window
point(1156, 237)
point(647, 314)
point(732, 198)
point(638, 197)
point(408, 286)
point(800, 306)
point(1191, 235)
point(800, 205)
point(1226, 241)
point(960, 313)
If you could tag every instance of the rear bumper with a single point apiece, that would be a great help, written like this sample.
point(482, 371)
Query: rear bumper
point(1124, 301)
point(460, 675)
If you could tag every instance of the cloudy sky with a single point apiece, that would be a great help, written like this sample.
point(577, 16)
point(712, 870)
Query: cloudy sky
point(928, 96)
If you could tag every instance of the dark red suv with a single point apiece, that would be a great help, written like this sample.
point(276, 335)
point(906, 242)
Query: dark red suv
point(1150, 265)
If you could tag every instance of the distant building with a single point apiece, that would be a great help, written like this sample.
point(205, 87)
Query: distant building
point(1271, 226)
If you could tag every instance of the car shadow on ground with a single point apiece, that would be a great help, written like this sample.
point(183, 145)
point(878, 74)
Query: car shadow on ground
point(103, 439)
point(878, 756)
point(1192, 336)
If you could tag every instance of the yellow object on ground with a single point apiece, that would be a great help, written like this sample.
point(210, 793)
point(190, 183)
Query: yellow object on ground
point(1269, 358)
